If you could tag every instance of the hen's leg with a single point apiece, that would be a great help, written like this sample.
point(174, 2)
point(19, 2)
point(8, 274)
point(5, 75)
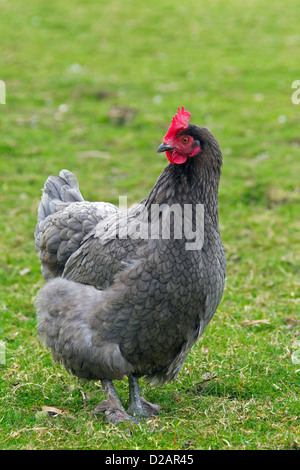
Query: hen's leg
point(112, 407)
point(137, 404)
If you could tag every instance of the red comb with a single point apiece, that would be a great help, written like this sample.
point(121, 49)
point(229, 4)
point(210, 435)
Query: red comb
point(180, 121)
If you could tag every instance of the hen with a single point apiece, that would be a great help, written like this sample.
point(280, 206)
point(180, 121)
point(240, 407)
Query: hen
point(129, 292)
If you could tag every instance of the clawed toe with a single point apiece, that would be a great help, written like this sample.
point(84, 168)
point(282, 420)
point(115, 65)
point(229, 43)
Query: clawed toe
point(149, 409)
point(112, 414)
point(143, 409)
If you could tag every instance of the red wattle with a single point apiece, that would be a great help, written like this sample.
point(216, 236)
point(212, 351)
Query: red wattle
point(178, 157)
point(169, 156)
point(175, 157)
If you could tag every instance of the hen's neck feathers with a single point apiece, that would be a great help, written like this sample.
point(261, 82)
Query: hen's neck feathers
point(194, 182)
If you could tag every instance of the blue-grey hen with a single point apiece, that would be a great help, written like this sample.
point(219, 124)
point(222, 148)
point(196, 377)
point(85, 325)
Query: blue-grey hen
point(129, 292)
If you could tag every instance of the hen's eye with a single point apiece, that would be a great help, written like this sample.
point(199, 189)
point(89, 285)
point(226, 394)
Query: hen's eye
point(185, 140)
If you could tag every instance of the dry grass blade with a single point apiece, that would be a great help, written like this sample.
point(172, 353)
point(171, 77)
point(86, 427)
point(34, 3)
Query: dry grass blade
point(256, 322)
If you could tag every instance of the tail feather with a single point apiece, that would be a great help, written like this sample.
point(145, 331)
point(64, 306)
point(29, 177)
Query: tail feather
point(59, 191)
point(64, 220)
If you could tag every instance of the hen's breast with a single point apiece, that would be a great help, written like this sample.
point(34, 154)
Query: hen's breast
point(165, 304)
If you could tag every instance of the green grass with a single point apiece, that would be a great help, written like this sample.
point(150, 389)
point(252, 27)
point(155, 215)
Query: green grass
point(232, 65)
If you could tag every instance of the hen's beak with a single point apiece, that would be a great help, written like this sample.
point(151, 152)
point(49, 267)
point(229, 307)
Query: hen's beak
point(164, 148)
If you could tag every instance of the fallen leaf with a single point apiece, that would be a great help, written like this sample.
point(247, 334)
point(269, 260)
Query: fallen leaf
point(52, 410)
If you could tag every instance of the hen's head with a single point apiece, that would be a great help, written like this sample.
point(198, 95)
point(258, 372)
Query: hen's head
point(178, 143)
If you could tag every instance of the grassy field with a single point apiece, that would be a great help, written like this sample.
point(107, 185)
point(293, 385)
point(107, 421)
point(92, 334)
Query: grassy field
point(91, 86)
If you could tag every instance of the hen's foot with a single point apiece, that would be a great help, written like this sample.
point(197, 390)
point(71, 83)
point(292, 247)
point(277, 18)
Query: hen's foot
point(112, 407)
point(138, 406)
point(144, 408)
point(113, 413)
